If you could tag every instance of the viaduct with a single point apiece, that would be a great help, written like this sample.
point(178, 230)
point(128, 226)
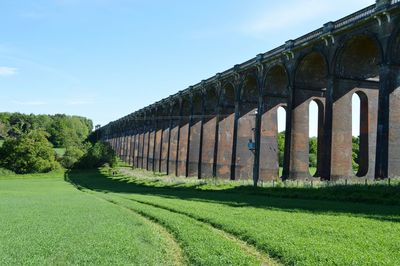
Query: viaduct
point(226, 126)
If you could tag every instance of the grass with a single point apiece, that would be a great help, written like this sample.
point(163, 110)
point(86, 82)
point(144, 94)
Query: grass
point(140, 218)
point(376, 192)
point(46, 221)
point(312, 170)
point(293, 231)
point(201, 243)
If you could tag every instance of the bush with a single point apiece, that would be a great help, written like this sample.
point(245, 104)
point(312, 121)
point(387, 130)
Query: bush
point(312, 162)
point(6, 172)
point(97, 155)
point(28, 153)
point(72, 156)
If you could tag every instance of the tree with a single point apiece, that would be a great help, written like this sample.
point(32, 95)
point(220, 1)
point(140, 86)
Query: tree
point(97, 155)
point(72, 155)
point(355, 153)
point(28, 153)
point(281, 147)
point(63, 130)
point(313, 148)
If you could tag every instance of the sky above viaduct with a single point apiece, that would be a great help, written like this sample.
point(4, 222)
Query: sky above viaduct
point(106, 58)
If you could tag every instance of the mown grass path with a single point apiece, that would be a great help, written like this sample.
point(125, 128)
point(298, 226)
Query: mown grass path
point(294, 231)
point(201, 243)
point(46, 221)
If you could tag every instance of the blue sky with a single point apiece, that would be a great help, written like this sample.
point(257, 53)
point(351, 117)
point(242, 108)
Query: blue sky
point(106, 58)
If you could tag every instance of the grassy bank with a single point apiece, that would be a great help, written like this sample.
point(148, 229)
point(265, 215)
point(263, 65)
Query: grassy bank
point(377, 192)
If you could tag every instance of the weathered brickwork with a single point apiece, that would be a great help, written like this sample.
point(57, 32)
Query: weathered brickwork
point(226, 126)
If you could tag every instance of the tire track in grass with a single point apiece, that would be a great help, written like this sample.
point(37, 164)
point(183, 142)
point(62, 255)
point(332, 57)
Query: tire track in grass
point(245, 245)
point(249, 249)
point(202, 243)
point(173, 251)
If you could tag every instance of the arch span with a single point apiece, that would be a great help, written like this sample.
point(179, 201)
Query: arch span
point(357, 71)
point(274, 95)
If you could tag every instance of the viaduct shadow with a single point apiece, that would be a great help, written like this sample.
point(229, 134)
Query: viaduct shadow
point(287, 199)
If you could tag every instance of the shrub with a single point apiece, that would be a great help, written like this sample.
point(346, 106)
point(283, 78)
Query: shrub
point(28, 153)
point(97, 155)
point(72, 156)
point(312, 160)
point(6, 172)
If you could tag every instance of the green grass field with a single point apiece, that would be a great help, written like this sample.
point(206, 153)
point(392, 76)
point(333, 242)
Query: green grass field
point(46, 221)
point(135, 217)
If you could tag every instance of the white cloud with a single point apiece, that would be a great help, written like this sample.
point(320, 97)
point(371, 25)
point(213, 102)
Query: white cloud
point(7, 71)
point(32, 103)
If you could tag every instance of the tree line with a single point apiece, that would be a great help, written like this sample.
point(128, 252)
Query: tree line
point(63, 130)
point(28, 143)
point(313, 149)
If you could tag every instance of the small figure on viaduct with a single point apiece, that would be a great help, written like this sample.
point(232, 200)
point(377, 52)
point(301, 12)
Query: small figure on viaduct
point(226, 126)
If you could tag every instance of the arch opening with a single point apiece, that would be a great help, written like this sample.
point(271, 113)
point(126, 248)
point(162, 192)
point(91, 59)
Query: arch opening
point(316, 120)
point(360, 133)
point(281, 121)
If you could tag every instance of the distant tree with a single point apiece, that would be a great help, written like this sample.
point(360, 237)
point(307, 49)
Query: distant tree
point(313, 148)
point(63, 130)
point(28, 153)
point(355, 153)
point(281, 147)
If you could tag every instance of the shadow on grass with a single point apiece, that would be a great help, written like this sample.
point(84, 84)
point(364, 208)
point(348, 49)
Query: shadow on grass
point(354, 200)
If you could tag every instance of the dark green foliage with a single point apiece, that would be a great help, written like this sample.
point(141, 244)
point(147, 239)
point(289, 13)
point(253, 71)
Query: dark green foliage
point(281, 147)
point(63, 130)
point(313, 148)
point(28, 153)
point(356, 149)
point(6, 172)
point(71, 156)
point(97, 155)
point(313, 145)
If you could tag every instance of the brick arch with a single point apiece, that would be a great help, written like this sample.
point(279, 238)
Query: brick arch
point(211, 98)
point(194, 136)
point(249, 91)
point(246, 125)
point(274, 94)
point(276, 80)
point(359, 58)
point(225, 132)
point(173, 136)
point(227, 95)
point(312, 70)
